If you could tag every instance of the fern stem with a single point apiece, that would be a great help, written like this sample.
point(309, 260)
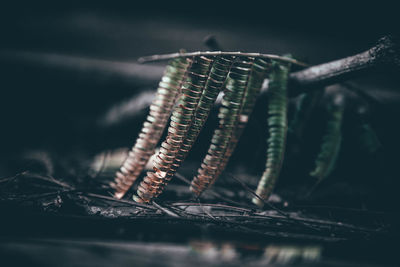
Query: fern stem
point(220, 53)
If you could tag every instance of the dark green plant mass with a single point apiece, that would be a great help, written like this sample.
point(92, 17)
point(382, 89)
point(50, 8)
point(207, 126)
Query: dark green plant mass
point(331, 143)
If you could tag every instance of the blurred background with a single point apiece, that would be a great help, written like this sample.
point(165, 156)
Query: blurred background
point(64, 65)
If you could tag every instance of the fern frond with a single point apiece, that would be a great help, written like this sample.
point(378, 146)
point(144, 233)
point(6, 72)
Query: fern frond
point(331, 143)
point(277, 123)
point(229, 114)
point(181, 120)
point(160, 110)
point(369, 140)
point(258, 74)
point(305, 104)
point(214, 84)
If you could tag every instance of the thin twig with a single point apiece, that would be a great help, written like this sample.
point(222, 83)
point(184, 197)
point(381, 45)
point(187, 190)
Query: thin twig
point(386, 53)
point(256, 195)
point(38, 196)
point(119, 200)
point(212, 192)
point(7, 179)
point(206, 212)
point(219, 53)
point(165, 210)
point(222, 206)
point(269, 204)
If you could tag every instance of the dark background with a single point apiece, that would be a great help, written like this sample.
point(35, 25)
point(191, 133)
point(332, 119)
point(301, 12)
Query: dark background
point(46, 80)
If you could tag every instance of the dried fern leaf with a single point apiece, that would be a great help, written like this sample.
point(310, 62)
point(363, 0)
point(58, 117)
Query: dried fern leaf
point(160, 109)
point(214, 84)
point(181, 120)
